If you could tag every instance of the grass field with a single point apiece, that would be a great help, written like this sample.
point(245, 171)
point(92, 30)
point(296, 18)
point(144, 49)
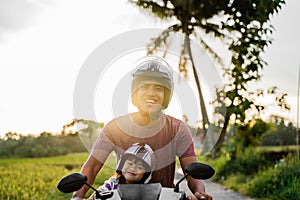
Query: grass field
point(37, 178)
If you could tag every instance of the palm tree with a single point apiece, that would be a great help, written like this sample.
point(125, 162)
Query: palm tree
point(242, 25)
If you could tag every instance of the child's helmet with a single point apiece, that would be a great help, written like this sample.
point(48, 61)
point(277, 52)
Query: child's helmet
point(142, 152)
point(157, 69)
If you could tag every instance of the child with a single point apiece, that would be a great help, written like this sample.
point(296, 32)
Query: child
point(134, 166)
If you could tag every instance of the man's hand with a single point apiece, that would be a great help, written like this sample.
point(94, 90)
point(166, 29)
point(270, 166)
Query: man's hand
point(199, 195)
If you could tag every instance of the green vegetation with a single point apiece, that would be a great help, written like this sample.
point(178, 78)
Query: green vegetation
point(36, 178)
point(44, 145)
point(262, 173)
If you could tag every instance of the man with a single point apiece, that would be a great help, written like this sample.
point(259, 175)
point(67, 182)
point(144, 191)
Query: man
point(151, 92)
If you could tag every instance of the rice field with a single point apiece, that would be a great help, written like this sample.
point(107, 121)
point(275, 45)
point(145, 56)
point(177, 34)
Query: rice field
point(37, 178)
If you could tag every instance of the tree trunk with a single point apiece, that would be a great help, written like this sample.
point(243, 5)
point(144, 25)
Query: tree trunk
point(220, 141)
point(202, 103)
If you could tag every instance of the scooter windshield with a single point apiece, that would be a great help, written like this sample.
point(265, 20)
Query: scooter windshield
point(140, 191)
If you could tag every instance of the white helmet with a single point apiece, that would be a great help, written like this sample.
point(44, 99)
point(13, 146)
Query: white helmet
point(142, 152)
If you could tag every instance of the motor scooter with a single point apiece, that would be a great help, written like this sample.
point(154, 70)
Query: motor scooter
point(151, 191)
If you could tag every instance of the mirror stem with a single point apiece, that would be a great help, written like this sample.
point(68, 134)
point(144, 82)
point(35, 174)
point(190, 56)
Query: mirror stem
point(97, 192)
point(176, 189)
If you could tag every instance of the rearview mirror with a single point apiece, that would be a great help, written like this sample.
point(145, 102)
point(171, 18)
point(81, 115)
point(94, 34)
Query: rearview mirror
point(75, 181)
point(196, 170)
point(72, 182)
point(199, 170)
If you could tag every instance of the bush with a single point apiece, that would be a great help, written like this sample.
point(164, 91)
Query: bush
point(260, 173)
point(248, 163)
point(282, 181)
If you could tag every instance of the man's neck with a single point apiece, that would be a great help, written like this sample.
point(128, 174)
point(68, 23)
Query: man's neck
point(144, 119)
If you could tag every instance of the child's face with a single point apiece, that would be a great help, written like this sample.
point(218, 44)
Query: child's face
point(133, 170)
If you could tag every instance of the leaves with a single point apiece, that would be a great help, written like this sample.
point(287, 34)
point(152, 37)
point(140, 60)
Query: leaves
point(243, 25)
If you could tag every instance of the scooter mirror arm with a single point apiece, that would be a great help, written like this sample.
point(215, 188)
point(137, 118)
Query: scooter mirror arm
point(98, 196)
point(176, 189)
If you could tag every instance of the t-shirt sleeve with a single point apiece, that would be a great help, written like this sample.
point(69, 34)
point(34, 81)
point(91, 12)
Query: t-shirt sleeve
point(184, 142)
point(103, 145)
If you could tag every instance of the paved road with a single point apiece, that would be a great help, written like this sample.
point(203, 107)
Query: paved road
point(217, 191)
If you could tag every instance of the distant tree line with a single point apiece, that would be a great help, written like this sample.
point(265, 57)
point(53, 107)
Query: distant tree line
point(283, 133)
point(277, 132)
point(45, 145)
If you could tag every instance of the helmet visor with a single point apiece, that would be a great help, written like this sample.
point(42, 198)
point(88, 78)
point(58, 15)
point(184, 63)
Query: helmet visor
point(156, 68)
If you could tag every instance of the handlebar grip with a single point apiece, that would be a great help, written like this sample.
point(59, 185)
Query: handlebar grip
point(103, 195)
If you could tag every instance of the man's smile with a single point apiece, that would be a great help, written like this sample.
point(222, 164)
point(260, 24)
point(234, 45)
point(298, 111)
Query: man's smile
point(152, 101)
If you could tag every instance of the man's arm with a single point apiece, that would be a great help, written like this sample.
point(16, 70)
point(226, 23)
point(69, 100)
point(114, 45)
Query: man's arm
point(91, 168)
point(196, 186)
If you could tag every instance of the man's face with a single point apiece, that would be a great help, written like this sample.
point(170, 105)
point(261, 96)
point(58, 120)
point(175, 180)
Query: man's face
point(149, 96)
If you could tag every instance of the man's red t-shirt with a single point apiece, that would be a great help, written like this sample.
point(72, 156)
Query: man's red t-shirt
point(168, 137)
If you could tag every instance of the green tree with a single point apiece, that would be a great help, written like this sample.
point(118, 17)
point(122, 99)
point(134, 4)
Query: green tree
point(241, 25)
point(246, 135)
point(88, 130)
point(282, 133)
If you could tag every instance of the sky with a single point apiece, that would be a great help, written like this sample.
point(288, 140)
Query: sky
point(44, 45)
